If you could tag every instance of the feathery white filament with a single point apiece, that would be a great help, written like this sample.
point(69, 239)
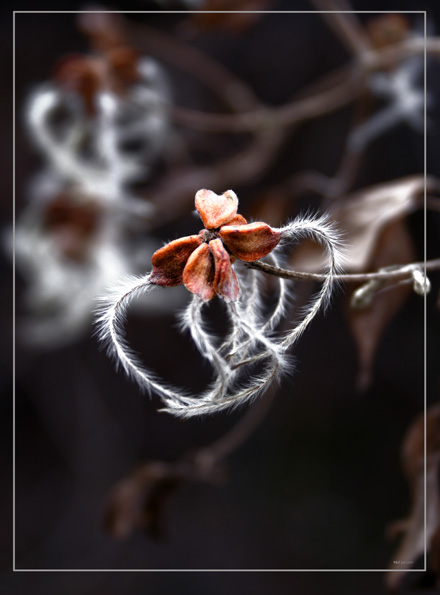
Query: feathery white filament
point(250, 339)
point(282, 300)
point(325, 234)
point(111, 316)
point(192, 321)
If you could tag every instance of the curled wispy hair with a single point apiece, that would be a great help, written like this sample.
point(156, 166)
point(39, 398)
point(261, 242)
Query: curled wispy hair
point(250, 343)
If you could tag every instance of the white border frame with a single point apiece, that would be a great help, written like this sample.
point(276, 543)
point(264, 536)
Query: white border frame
point(284, 570)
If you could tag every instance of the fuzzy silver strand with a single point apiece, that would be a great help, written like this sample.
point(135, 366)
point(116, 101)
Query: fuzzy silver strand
point(251, 339)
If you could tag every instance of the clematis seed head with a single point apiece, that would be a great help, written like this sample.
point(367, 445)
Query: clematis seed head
point(203, 263)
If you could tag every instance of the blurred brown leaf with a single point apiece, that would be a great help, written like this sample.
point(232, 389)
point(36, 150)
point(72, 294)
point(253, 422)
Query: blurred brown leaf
point(412, 545)
point(368, 324)
point(140, 500)
point(375, 236)
point(362, 217)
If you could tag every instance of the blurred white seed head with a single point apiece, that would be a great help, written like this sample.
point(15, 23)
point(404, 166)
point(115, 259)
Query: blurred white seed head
point(91, 160)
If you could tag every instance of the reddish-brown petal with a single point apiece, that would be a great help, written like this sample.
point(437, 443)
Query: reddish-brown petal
point(214, 209)
point(169, 261)
point(198, 275)
point(225, 279)
point(250, 242)
point(237, 220)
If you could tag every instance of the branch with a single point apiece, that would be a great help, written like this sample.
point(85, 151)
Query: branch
point(394, 272)
point(353, 85)
point(173, 196)
point(234, 92)
point(345, 25)
point(225, 445)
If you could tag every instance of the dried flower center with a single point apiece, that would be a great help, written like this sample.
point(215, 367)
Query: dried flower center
point(210, 234)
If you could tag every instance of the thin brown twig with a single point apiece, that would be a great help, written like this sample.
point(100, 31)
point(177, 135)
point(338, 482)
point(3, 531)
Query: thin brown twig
point(398, 272)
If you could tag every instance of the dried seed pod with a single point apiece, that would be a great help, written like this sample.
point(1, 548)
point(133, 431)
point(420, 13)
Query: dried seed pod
point(250, 242)
point(216, 210)
point(169, 261)
point(198, 275)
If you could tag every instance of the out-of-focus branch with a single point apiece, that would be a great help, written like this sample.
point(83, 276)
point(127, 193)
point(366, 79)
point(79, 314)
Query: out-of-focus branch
point(175, 195)
point(340, 183)
point(239, 433)
point(268, 125)
point(172, 196)
point(303, 109)
point(234, 92)
point(351, 33)
point(324, 102)
point(345, 25)
point(140, 499)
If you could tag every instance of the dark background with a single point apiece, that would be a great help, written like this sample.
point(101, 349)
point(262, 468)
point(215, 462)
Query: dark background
point(318, 482)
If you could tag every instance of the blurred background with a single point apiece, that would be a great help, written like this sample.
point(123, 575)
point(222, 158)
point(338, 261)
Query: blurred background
point(324, 477)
